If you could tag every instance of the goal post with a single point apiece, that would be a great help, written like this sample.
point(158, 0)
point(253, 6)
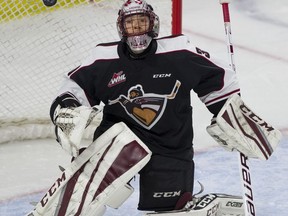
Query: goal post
point(39, 44)
point(176, 17)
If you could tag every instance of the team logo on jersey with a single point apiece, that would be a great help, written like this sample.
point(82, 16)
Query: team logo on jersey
point(117, 78)
point(145, 108)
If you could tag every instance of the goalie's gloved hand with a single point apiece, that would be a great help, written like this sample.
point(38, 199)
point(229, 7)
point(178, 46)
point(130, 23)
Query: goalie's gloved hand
point(237, 127)
point(70, 126)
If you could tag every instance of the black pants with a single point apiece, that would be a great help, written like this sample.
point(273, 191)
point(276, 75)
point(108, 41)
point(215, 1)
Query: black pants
point(163, 181)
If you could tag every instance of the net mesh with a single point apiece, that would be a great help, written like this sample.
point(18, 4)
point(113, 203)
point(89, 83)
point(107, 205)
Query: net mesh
point(39, 44)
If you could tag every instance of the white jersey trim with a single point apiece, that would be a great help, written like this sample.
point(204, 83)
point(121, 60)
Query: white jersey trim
point(71, 86)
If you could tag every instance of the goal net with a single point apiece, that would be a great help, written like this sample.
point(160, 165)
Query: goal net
point(39, 44)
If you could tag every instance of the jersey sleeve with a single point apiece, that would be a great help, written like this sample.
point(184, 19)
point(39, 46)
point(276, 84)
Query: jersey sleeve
point(216, 81)
point(71, 87)
point(210, 78)
point(218, 85)
point(90, 74)
point(69, 95)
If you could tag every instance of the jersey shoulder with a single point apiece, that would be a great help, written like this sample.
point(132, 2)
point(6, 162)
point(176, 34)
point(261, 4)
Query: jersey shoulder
point(174, 43)
point(103, 51)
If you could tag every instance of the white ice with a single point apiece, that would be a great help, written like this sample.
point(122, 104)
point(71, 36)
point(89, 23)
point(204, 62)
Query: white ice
point(260, 32)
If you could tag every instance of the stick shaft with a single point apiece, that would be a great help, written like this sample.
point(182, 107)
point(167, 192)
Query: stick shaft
point(227, 25)
point(244, 167)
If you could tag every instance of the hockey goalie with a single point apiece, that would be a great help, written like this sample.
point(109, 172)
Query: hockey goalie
point(146, 129)
point(100, 175)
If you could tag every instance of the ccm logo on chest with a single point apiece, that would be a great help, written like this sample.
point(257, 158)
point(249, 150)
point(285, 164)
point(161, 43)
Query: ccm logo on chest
point(155, 76)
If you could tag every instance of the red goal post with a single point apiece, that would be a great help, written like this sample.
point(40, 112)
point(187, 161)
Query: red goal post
point(39, 44)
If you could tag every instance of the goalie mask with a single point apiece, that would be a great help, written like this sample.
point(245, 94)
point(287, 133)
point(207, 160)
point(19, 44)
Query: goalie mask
point(137, 25)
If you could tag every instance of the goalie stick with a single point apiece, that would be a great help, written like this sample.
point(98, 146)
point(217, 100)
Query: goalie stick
point(244, 168)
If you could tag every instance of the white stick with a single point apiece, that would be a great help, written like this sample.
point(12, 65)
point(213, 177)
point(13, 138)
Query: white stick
point(227, 25)
point(244, 169)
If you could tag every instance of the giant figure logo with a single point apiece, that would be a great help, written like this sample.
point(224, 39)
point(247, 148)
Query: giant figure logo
point(145, 108)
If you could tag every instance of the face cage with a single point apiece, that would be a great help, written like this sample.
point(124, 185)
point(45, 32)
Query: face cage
point(153, 29)
point(150, 23)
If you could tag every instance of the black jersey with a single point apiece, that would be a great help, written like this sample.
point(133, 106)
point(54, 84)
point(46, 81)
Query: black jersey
point(151, 94)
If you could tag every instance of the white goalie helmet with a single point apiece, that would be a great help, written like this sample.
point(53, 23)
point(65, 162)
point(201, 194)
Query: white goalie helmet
point(137, 25)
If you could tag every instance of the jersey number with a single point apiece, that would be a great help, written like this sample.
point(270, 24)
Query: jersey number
point(202, 52)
